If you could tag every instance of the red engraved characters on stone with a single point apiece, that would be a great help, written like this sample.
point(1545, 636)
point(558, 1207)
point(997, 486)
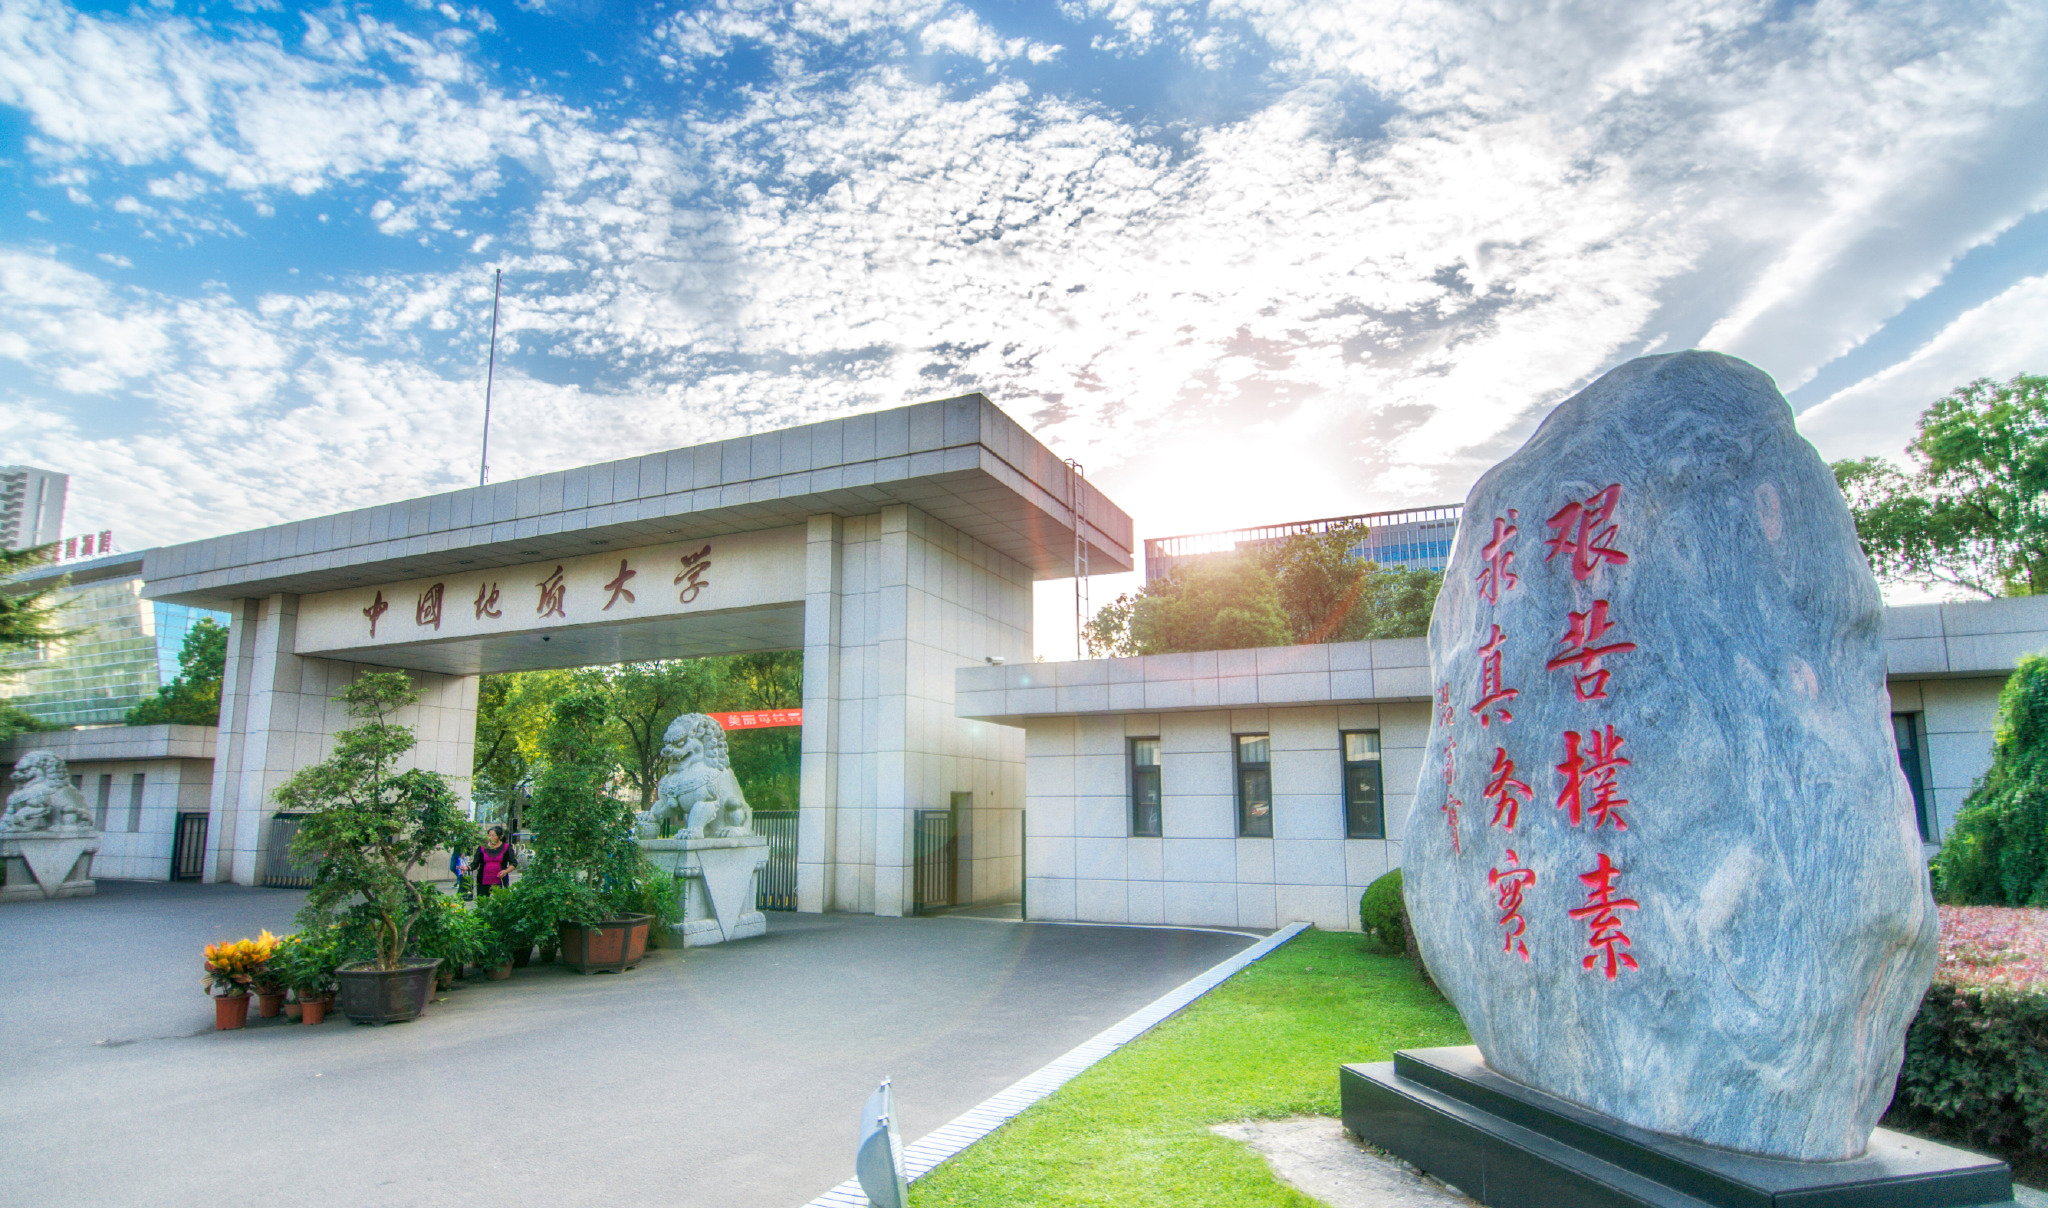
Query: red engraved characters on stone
point(1584, 629)
point(1495, 577)
point(691, 577)
point(376, 610)
point(1493, 695)
point(552, 592)
point(618, 587)
point(428, 610)
point(1584, 534)
point(1508, 886)
point(1504, 793)
point(1591, 761)
point(1602, 914)
point(487, 601)
point(1446, 712)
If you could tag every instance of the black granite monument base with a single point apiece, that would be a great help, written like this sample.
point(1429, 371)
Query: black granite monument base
point(1508, 1146)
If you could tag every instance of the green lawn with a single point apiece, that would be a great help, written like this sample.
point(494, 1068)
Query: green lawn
point(1133, 1131)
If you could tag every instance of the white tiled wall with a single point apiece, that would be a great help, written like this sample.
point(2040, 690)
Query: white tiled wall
point(278, 715)
point(914, 601)
point(141, 852)
point(1083, 864)
point(1958, 718)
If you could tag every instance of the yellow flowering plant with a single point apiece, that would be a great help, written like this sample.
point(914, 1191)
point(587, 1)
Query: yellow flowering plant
point(232, 968)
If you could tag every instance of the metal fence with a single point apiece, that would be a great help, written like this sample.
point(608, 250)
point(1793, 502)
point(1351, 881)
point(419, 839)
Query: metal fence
point(278, 870)
point(776, 890)
point(934, 870)
point(188, 848)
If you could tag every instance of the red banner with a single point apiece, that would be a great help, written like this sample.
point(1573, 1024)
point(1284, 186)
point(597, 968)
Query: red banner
point(759, 718)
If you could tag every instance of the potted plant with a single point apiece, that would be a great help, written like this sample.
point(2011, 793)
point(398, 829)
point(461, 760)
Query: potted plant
point(231, 969)
point(305, 962)
point(584, 858)
point(454, 933)
point(368, 827)
point(504, 914)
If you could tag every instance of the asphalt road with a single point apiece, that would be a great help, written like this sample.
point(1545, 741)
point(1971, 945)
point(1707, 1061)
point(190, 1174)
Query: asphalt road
point(731, 1075)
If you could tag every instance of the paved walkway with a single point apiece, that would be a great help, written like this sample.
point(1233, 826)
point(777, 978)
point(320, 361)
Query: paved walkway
point(724, 1076)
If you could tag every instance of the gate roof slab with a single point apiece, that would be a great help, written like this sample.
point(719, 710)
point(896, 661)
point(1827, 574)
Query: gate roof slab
point(961, 460)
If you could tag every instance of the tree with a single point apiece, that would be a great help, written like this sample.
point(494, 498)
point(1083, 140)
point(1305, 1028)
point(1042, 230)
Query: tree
point(583, 851)
point(768, 762)
point(1306, 589)
point(511, 716)
point(28, 618)
point(1974, 512)
point(193, 698)
point(369, 826)
point(14, 720)
point(1997, 852)
point(643, 698)
point(1221, 603)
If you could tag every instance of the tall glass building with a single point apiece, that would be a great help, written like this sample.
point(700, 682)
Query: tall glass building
point(128, 647)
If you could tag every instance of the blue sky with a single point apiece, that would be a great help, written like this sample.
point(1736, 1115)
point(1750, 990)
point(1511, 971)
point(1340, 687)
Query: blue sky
point(1248, 260)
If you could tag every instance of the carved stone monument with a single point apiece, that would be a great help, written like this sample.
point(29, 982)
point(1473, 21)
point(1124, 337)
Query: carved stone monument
point(47, 837)
point(1661, 856)
point(715, 850)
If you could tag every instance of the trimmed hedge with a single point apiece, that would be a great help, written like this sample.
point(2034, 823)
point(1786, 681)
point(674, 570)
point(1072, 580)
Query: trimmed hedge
point(1977, 1066)
point(1381, 915)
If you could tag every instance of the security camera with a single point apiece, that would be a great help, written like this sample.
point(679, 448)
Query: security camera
point(993, 660)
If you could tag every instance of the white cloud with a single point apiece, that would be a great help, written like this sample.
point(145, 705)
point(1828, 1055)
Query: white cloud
point(2003, 338)
point(1318, 322)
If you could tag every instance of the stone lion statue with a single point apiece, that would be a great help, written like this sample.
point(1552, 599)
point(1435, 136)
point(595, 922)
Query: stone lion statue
point(699, 794)
point(45, 800)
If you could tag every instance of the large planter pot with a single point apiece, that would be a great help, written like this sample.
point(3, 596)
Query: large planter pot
point(230, 1012)
point(520, 956)
point(612, 946)
point(381, 996)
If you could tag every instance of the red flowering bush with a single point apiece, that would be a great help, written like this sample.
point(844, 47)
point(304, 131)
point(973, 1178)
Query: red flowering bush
point(1977, 1053)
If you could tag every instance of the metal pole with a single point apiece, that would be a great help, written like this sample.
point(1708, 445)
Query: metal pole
point(483, 473)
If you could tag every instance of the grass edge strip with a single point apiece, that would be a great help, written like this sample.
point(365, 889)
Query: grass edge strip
point(925, 1154)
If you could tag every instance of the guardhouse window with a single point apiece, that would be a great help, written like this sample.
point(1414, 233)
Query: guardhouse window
point(1254, 786)
point(1906, 733)
point(1364, 808)
point(1145, 815)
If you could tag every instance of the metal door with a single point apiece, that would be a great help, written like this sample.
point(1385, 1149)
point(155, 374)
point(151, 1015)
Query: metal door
point(933, 880)
point(188, 848)
point(776, 889)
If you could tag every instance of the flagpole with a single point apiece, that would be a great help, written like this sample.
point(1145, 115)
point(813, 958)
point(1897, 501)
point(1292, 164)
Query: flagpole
point(483, 473)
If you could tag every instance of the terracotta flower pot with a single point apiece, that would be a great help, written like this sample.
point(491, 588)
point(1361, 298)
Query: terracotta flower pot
point(268, 1005)
point(501, 972)
point(612, 946)
point(230, 1012)
point(293, 1009)
point(314, 1009)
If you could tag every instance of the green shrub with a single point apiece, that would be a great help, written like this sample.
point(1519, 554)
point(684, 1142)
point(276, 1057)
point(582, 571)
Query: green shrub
point(458, 935)
point(1380, 914)
point(1976, 1062)
point(1997, 852)
point(659, 894)
point(1977, 1067)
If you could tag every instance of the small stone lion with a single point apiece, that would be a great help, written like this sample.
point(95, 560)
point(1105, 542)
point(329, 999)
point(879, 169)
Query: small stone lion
point(700, 795)
point(45, 800)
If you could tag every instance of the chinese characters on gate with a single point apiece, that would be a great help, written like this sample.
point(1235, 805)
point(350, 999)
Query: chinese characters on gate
point(1586, 539)
point(552, 594)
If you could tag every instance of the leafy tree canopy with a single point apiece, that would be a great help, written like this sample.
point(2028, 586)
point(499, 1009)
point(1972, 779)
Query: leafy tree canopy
point(641, 699)
point(1303, 590)
point(1974, 511)
point(193, 698)
point(1997, 852)
point(29, 617)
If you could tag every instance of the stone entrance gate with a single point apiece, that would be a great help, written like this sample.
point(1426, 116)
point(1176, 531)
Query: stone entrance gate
point(891, 548)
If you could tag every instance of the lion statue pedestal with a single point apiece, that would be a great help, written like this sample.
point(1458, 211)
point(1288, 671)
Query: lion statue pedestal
point(47, 839)
point(720, 880)
point(715, 850)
